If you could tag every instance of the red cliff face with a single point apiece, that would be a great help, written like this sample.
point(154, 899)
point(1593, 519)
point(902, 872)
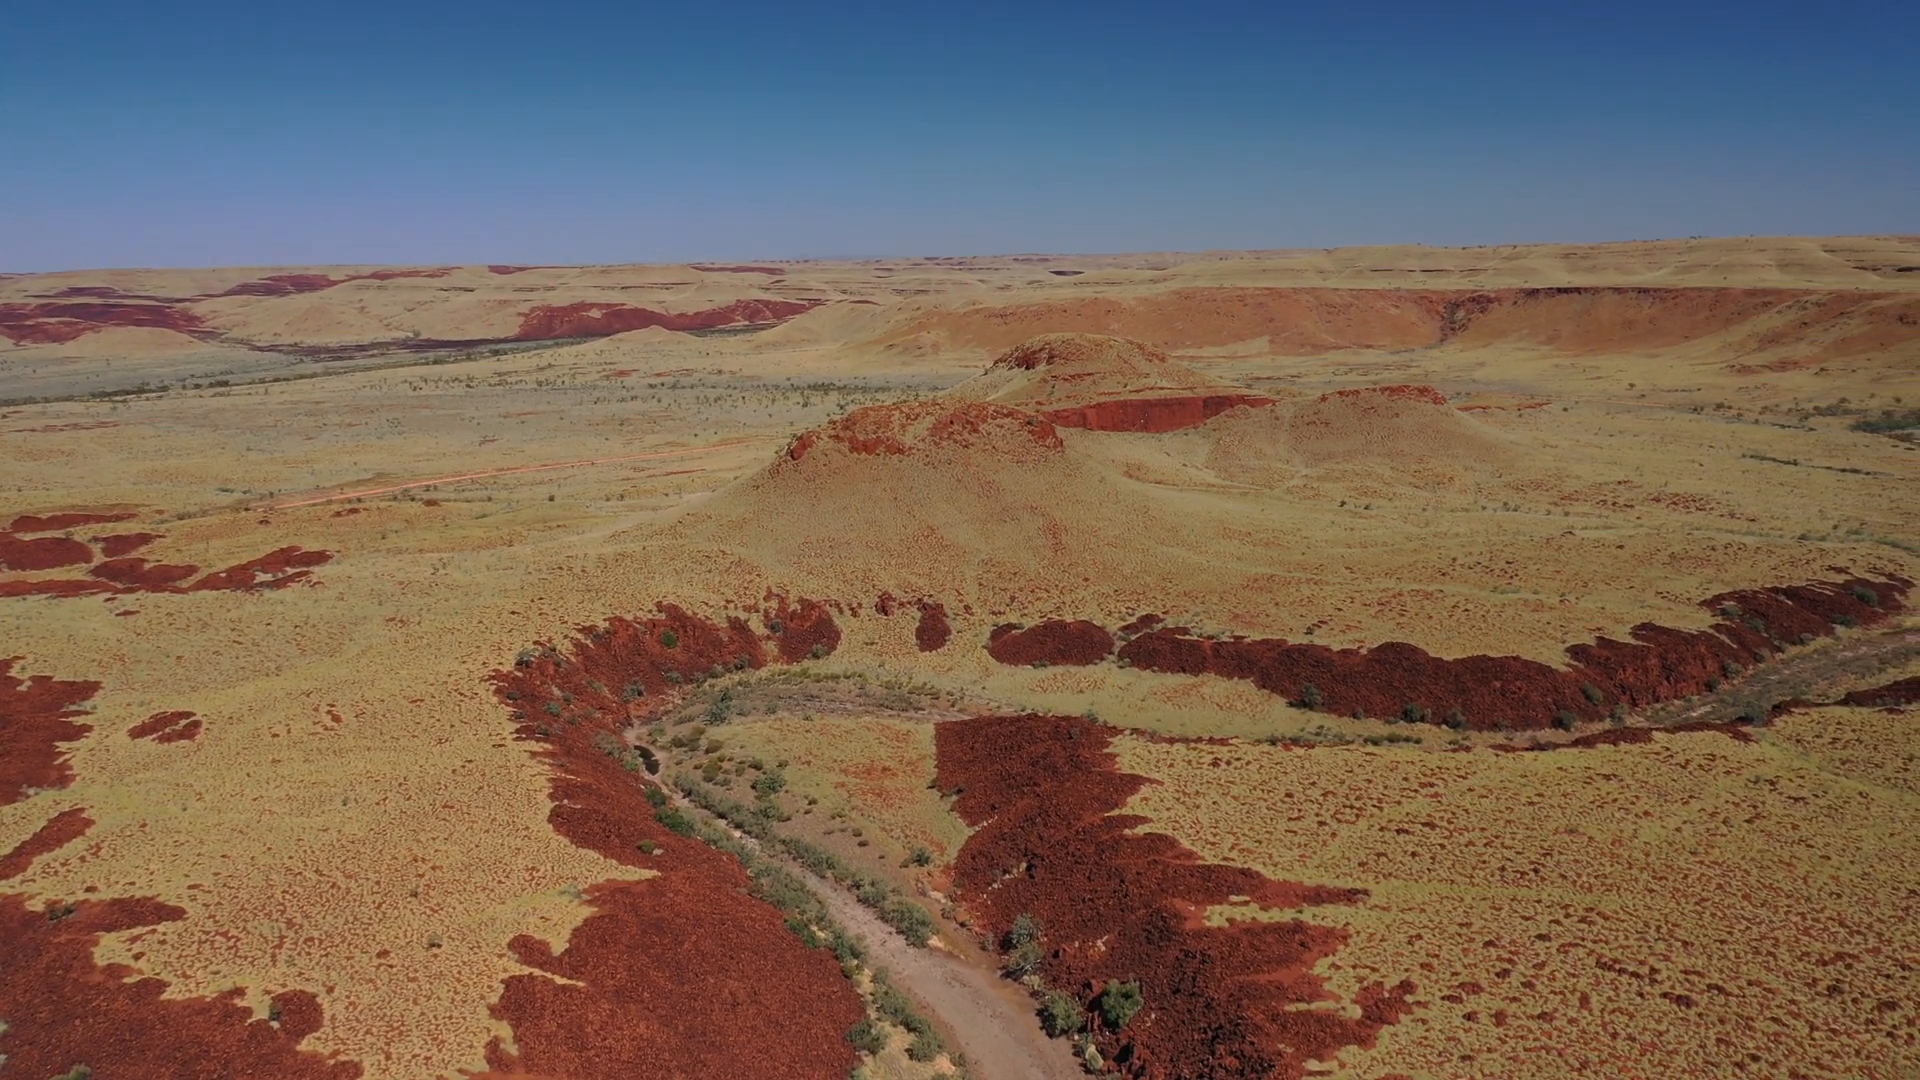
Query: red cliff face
point(1152, 415)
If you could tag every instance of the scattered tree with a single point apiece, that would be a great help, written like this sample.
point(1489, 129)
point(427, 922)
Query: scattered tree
point(1061, 1015)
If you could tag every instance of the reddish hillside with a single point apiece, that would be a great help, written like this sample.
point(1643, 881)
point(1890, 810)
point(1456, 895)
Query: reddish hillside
point(592, 319)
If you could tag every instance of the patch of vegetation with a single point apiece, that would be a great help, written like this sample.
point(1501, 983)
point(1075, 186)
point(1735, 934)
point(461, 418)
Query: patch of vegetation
point(1118, 1003)
point(1309, 697)
point(1061, 1015)
point(669, 639)
point(867, 1037)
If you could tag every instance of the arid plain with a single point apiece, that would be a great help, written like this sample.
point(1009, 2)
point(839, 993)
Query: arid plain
point(1398, 662)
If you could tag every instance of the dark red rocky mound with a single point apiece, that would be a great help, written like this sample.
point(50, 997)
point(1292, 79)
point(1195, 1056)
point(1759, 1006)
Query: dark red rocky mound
point(1396, 679)
point(65, 1010)
point(42, 552)
point(1221, 1003)
point(167, 727)
point(683, 974)
point(805, 629)
point(932, 632)
point(1153, 415)
point(60, 830)
point(59, 322)
point(593, 319)
point(1077, 643)
point(119, 544)
point(36, 717)
point(1099, 351)
point(773, 271)
point(1894, 695)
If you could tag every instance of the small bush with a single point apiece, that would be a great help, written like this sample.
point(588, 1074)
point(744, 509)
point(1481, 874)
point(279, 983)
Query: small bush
point(634, 691)
point(912, 920)
point(1730, 668)
point(767, 785)
point(1118, 1002)
point(1061, 1015)
point(675, 820)
point(669, 639)
point(1025, 931)
point(818, 652)
point(1309, 697)
point(926, 1046)
point(647, 847)
point(1564, 720)
point(1866, 596)
point(1023, 960)
point(919, 856)
point(867, 1037)
point(1592, 693)
point(1413, 714)
point(1456, 718)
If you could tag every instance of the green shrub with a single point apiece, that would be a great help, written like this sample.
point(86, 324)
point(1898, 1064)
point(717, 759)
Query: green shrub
point(669, 639)
point(675, 820)
point(767, 785)
point(1592, 694)
point(919, 856)
point(926, 1046)
point(1564, 720)
point(867, 1037)
point(1456, 719)
point(1118, 1002)
point(1024, 931)
point(1413, 714)
point(1866, 596)
point(912, 920)
point(1309, 697)
point(1061, 1015)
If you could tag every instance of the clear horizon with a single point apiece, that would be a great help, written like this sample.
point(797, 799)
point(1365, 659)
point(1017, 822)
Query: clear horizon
point(375, 135)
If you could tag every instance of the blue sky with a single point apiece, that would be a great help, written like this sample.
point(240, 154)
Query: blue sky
point(348, 132)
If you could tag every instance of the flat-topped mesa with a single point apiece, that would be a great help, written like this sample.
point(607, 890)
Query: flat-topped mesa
point(1103, 383)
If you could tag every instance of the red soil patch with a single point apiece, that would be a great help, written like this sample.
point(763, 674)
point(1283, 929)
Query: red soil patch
point(504, 269)
point(1077, 643)
point(36, 716)
point(63, 1009)
point(932, 632)
point(60, 322)
point(1659, 664)
point(1152, 415)
point(892, 430)
point(298, 284)
point(42, 552)
point(119, 544)
point(1894, 695)
point(1221, 1002)
point(592, 319)
point(59, 831)
point(34, 523)
point(166, 727)
point(770, 270)
point(683, 974)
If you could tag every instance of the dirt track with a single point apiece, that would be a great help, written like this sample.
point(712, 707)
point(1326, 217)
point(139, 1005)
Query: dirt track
point(1812, 674)
point(991, 1022)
